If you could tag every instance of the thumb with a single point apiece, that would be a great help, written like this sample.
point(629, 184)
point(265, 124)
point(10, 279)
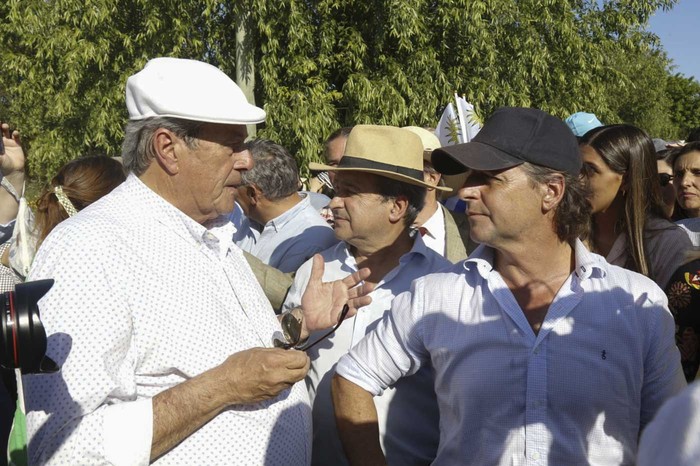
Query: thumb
point(317, 268)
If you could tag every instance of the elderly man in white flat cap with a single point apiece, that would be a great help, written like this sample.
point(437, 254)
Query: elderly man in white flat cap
point(164, 336)
point(379, 191)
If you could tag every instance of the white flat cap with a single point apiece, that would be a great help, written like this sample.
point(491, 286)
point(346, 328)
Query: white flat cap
point(188, 89)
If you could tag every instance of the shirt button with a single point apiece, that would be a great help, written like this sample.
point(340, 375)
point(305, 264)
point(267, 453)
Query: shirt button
point(537, 350)
point(535, 456)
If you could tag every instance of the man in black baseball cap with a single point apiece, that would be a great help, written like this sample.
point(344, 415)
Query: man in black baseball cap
point(542, 351)
point(511, 137)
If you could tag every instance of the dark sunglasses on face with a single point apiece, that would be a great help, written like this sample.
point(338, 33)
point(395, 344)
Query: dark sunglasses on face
point(665, 179)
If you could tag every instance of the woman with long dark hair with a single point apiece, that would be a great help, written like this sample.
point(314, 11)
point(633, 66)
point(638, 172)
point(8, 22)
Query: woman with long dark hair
point(629, 224)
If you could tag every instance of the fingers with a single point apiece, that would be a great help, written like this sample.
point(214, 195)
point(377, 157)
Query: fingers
point(357, 303)
point(296, 365)
point(14, 135)
point(293, 359)
point(317, 268)
point(356, 277)
point(361, 290)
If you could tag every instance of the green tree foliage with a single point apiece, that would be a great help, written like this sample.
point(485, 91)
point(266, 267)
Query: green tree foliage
point(684, 95)
point(322, 64)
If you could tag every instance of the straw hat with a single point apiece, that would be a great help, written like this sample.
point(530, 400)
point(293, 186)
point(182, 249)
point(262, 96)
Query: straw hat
point(386, 151)
point(430, 143)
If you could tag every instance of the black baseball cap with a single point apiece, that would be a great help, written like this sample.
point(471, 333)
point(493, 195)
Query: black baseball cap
point(510, 137)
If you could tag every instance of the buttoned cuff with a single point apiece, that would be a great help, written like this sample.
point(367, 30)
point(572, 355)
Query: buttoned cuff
point(128, 432)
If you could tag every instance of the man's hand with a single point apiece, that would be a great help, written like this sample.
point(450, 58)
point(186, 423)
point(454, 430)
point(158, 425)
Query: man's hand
point(12, 160)
point(257, 374)
point(249, 376)
point(323, 302)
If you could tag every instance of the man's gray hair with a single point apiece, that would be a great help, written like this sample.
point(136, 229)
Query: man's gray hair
point(274, 171)
point(137, 148)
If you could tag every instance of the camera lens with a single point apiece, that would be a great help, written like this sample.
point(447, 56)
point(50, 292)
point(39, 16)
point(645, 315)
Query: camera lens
point(22, 335)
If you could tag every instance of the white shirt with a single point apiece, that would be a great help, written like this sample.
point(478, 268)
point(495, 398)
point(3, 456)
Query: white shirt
point(434, 236)
point(673, 437)
point(692, 228)
point(146, 298)
point(579, 392)
point(288, 240)
point(666, 247)
point(408, 421)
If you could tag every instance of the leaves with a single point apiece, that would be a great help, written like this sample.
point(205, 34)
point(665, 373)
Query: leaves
point(321, 64)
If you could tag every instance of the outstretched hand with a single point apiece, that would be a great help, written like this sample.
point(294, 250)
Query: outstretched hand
point(323, 302)
point(12, 158)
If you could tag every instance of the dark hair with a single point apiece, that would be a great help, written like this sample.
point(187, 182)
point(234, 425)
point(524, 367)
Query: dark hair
point(274, 170)
point(687, 148)
point(340, 132)
point(572, 215)
point(137, 148)
point(629, 151)
point(694, 135)
point(84, 181)
point(391, 189)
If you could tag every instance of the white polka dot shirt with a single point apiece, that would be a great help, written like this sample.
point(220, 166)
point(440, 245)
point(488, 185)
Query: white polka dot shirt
point(144, 299)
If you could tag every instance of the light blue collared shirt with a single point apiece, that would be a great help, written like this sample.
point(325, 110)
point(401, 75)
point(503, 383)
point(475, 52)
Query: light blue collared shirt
point(407, 412)
point(578, 392)
point(288, 240)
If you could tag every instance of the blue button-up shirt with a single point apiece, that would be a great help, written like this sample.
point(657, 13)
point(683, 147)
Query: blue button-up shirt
point(288, 240)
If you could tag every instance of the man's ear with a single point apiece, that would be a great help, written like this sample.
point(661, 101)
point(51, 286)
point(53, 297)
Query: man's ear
point(399, 207)
point(432, 178)
point(253, 193)
point(553, 192)
point(167, 148)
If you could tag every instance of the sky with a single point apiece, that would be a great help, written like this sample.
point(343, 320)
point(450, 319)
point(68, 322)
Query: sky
point(676, 29)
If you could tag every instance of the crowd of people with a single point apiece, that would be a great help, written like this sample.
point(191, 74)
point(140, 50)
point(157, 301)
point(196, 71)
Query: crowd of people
point(210, 309)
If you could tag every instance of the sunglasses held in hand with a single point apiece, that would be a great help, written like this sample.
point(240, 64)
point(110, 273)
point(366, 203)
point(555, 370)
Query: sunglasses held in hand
point(291, 327)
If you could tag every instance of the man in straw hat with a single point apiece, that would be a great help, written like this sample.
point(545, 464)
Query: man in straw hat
point(379, 192)
point(164, 337)
point(543, 353)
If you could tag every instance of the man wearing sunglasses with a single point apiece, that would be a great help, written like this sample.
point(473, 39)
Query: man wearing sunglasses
point(379, 191)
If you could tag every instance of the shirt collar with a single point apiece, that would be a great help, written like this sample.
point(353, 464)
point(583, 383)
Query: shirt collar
point(281, 220)
point(435, 222)
point(588, 265)
point(418, 248)
point(216, 233)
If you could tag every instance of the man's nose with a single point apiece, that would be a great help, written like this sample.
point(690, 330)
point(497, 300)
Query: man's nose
point(336, 202)
point(242, 160)
point(468, 191)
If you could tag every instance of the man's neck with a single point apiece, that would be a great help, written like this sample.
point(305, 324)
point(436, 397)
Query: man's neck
point(270, 210)
point(535, 261)
point(534, 273)
point(384, 257)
